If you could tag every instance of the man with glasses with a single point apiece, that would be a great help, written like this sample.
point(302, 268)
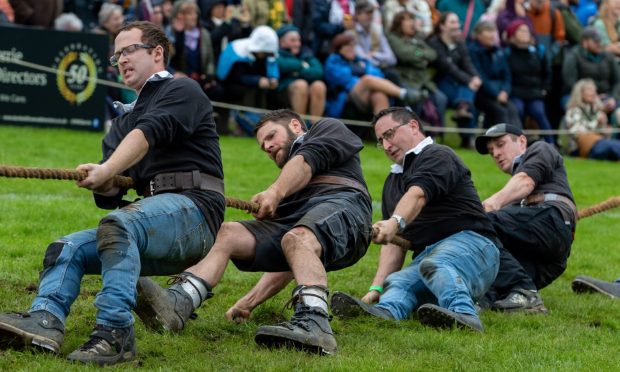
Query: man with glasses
point(167, 143)
point(316, 217)
point(430, 200)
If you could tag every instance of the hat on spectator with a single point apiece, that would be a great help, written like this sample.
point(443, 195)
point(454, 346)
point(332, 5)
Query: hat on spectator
point(495, 131)
point(341, 40)
point(263, 39)
point(286, 29)
point(514, 26)
point(106, 11)
point(182, 5)
point(590, 33)
point(363, 6)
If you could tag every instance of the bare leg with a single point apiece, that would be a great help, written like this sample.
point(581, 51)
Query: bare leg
point(232, 241)
point(303, 252)
point(318, 91)
point(298, 95)
point(268, 286)
point(374, 83)
point(379, 101)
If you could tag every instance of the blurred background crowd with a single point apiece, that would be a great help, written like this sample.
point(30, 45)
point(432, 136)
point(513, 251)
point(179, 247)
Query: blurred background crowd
point(543, 64)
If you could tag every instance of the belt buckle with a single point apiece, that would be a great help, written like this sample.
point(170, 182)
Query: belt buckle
point(152, 187)
point(523, 202)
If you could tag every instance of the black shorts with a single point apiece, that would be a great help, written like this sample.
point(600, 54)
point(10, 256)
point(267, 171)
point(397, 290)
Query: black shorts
point(538, 237)
point(341, 222)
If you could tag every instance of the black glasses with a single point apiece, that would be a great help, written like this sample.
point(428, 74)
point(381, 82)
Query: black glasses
point(127, 51)
point(388, 135)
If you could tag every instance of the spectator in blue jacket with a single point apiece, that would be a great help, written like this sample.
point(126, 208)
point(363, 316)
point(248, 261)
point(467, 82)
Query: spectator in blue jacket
point(248, 68)
point(351, 78)
point(301, 87)
point(493, 97)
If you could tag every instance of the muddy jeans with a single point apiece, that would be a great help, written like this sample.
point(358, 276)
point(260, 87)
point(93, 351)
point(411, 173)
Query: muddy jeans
point(159, 235)
point(452, 272)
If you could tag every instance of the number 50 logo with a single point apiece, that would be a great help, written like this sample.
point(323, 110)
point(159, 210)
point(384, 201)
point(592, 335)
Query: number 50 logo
point(76, 73)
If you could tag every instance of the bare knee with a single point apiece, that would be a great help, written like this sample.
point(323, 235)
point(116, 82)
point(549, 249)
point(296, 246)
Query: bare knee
point(299, 86)
point(233, 237)
point(318, 88)
point(300, 239)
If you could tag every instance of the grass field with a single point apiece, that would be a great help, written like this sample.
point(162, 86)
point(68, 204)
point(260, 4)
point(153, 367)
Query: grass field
point(581, 333)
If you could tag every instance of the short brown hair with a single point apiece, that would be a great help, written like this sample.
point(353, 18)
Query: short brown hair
point(403, 115)
point(341, 40)
point(398, 21)
point(152, 35)
point(282, 117)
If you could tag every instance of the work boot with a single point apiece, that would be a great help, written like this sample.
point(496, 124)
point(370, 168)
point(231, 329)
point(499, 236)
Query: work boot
point(521, 300)
point(308, 329)
point(586, 284)
point(168, 309)
point(438, 317)
point(107, 346)
point(347, 306)
point(38, 329)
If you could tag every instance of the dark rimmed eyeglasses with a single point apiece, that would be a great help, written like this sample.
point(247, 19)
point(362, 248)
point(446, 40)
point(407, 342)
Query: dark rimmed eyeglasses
point(388, 135)
point(129, 49)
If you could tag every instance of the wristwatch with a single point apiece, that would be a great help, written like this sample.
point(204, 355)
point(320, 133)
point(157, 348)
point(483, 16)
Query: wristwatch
point(400, 221)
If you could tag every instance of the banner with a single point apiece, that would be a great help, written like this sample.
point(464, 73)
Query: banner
point(49, 78)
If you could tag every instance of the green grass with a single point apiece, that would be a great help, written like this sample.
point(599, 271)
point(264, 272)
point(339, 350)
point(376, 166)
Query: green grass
point(580, 334)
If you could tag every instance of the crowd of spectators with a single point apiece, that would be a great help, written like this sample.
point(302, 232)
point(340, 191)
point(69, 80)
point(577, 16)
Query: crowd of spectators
point(490, 61)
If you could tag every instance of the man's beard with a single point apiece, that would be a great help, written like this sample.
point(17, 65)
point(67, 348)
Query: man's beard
point(286, 148)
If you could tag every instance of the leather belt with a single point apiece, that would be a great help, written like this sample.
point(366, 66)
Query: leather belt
point(534, 199)
point(179, 181)
point(337, 180)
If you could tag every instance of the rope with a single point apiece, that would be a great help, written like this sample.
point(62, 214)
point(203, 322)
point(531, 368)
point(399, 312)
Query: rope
point(119, 181)
point(610, 203)
point(127, 183)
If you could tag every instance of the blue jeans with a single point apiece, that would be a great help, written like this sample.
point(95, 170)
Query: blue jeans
point(456, 92)
point(605, 149)
point(536, 109)
point(452, 272)
point(159, 235)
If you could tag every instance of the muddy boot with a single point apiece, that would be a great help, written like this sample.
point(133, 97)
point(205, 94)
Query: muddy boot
point(308, 329)
point(586, 284)
point(168, 309)
point(39, 329)
point(107, 346)
point(521, 300)
point(438, 317)
point(347, 306)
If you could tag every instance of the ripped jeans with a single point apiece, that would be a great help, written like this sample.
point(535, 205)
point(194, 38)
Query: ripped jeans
point(452, 272)
point(159, 235)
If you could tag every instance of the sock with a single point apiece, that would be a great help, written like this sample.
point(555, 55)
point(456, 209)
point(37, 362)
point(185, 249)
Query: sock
point(198, 289)
point(403, 93)
point(312, 295)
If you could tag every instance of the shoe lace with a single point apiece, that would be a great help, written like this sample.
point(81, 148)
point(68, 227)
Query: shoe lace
point(175, 279)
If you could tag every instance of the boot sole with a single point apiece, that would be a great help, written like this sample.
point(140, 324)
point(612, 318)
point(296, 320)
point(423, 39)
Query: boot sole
point(149, 309)
point(538, 309)
point(344, 306)
point(276, 341)
point(581, 286)
point(19, 339)
point(127, 356)
point(436, 318)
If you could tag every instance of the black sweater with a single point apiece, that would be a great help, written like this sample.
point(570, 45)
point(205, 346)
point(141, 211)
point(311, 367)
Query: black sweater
point(176, 118)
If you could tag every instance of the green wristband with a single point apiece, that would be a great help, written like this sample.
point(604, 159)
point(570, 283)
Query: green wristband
point(377, 288)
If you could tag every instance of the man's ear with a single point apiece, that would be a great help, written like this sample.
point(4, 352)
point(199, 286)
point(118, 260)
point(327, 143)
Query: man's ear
point(159, 54)
point(296, 126)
